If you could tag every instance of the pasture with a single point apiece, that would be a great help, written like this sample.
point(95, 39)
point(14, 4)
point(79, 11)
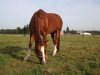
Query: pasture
point(78, 56)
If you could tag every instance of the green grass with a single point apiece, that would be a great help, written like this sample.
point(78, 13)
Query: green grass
point(78, 56)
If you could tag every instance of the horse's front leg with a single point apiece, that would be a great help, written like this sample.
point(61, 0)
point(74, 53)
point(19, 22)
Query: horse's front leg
point(45, 44)
point(44, 49)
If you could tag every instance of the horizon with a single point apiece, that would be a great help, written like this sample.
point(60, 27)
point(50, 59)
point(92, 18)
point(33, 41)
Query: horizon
point(77, 15)
point(61, 30)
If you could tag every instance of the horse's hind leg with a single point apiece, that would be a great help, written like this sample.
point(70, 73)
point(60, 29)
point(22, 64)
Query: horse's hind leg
point(56, 36)
point(58, 40)
point(53, 36)
point(30, 46)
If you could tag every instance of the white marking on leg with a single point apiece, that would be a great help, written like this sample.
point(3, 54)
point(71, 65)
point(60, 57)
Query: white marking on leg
point(43, 54)
point(28, 54)
point(55, 50)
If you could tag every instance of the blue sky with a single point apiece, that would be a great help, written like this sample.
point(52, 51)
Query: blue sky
point(77, 14)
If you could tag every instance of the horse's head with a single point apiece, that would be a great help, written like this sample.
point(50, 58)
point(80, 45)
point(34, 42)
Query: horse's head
point(40, 51)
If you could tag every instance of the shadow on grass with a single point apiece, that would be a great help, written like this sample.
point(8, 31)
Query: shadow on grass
point(13, 51)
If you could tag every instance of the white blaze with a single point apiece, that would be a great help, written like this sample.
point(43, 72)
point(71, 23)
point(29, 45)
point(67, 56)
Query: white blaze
point(43, 54)
point(55, 50)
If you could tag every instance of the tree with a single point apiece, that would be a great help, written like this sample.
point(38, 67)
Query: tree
point(26, 29)
point(64, 32)
point(67, 30)
point(18, 30)
point(73, 31)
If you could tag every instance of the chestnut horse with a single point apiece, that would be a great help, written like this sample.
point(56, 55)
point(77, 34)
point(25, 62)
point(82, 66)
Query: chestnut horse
point(41, 24)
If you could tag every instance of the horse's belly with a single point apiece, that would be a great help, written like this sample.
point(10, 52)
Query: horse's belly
point(51, 30)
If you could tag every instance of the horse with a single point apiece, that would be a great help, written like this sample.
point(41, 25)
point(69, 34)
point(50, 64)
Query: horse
point(41, 24)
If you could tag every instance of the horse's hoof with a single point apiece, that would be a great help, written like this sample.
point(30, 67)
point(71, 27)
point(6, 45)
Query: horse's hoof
point(43, 62)
point(53, 54)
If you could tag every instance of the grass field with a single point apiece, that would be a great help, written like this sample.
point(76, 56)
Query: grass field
point(78, 56)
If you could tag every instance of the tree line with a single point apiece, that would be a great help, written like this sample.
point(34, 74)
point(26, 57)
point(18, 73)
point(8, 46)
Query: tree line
point(25, 30)
point(18, 30)
point(68, 31)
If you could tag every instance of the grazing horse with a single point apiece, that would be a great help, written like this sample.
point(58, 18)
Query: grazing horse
point(41, 24)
